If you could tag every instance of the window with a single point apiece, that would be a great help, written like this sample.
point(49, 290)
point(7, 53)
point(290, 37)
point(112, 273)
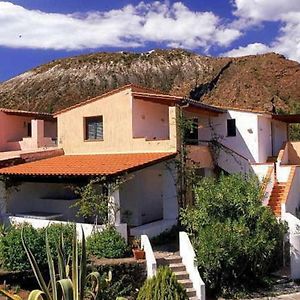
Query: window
point(94, 128)
point(191, 132)
point(29, 129)
point(231, 128)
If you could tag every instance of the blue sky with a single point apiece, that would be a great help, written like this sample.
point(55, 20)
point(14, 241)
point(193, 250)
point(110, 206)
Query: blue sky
point(33, 32)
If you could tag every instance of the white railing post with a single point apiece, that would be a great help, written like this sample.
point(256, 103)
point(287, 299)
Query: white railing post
point(150, 258)
point(188, 256)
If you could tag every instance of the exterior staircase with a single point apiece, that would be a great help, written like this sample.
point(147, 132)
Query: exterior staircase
point(174, 261)
point(277, 197)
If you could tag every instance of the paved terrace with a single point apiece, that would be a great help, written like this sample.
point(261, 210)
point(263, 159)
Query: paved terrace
point(13, 157)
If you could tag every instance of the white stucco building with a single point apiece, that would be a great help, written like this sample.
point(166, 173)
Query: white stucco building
point(135, 133)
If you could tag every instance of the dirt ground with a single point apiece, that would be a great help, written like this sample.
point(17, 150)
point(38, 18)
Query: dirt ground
point(15, 290)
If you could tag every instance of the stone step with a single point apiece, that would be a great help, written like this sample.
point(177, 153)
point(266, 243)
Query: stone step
point(176, 259)
point(186, 283)
point(278, 205)
point(180, 275)
point(177, 267)
point(191, 292)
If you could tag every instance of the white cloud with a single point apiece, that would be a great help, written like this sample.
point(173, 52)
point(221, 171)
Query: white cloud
point(265, 10)
point(255, 12)
point(131, 26)
point(251, 49)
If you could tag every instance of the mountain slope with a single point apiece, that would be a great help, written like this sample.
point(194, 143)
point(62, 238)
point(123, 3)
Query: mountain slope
point(250, 82)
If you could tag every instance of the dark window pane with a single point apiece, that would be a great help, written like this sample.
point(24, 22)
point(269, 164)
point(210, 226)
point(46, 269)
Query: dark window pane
point(94, 128)
point(191, 133)
point(231, 128)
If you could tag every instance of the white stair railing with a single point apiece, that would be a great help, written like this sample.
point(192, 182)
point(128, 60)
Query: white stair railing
point(150, 258)
point(188, 256)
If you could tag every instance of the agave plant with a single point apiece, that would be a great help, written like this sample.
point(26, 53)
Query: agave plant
point(63, 286)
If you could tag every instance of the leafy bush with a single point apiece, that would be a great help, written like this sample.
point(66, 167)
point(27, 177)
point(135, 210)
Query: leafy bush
point(54, 232)
point(127, 279)
point(162, 286)
point(107, 243)
point(237, 240)
point(12, 253)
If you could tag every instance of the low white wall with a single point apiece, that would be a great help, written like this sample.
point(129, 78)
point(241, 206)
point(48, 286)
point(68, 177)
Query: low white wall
point(261, 171)
point(150, 258)
point(294, 237)
point(293, 199)
point(87, 228)
point(43, 197)
point(282, 173)
point(187, 253)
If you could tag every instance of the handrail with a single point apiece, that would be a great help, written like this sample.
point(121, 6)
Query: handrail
point(268, 184)
point(187, 253)
point(150, 258)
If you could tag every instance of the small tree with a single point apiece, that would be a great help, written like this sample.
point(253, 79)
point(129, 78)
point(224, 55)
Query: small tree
point(95, 199)
point(237, 240)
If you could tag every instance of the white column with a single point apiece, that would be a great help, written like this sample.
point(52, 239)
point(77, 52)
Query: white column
point(170, 201)
point(114, 215)
point(37, 131)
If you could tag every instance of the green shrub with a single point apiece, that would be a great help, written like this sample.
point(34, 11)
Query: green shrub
point(162, 286)
point(54, 232)
point(12, 253)
point(107, 243)
point(237, 240)
point(127, 279)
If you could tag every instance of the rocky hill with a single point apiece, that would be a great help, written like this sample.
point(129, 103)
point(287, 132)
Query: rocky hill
point(259, 82)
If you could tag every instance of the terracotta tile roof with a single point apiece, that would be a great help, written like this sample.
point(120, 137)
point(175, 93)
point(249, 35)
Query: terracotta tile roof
point(26, 113)
point(133, 87)
point(87, 165)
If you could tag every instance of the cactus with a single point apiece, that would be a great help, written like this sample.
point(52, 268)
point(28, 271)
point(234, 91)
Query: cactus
point(62, 285)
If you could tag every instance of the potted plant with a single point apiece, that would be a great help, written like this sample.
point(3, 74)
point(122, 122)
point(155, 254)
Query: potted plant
point(137, 251)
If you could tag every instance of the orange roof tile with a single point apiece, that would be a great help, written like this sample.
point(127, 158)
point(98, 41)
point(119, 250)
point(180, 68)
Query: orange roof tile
point(17, 112)
point(87, 165)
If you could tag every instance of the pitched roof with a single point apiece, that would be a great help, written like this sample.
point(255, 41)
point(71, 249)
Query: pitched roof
point(153, 95)
point(171, 100)
point(87, 165)
point(133, 87)
point(255, 111)
point(25, 113)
